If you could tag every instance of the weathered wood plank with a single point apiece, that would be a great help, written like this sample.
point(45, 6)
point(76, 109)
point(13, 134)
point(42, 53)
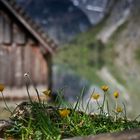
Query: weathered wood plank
point(18, 68)
point(15, 61)
point(7, 34)
point(1, 28)
point(19, 37)
point(12, 65)
point(2, 64)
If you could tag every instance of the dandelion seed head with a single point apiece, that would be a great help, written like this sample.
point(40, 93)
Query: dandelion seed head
point(26, 74)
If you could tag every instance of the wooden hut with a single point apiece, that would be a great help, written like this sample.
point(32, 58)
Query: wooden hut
point(24, 47)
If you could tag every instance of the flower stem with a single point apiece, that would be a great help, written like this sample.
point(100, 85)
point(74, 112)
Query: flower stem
point(108, 112)
point(34, 86)
point(87, 106)
point(27, 88)
point(102, 107)
point(5, 103)
point(116, 114)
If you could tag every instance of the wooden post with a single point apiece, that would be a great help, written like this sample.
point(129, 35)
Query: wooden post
point(48, 58)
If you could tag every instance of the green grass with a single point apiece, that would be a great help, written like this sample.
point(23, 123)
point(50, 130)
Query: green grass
point(40, 121)
point(43, 127)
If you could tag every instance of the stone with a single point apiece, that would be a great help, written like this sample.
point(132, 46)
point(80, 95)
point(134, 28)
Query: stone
point(4, 125)
point(133, 134)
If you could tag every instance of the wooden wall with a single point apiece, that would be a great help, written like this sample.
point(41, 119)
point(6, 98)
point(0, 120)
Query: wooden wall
point(19, 53)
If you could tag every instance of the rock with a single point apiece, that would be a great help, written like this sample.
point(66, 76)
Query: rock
point(4, 125)
point(124, 135)
point(25, 110)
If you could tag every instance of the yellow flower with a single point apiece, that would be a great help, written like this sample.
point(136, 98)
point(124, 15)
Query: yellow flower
point(119, 109)
point(1, 87)
point(64, 112)
point(95, 96)
point(47, 93)
point(104, 88)
point(116, 94)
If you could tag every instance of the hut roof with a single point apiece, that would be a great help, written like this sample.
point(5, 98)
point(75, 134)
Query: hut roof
point(18, 12)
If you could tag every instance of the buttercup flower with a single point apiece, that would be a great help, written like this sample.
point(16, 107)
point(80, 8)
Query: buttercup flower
point(2, 87)
point(95, 96)
point(64, 112)
point(104, 88)
point(47, 92)
point(116, 94)
point(119, 109)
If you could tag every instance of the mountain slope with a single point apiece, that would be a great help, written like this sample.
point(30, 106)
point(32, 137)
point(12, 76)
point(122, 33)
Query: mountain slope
point(115, 59)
